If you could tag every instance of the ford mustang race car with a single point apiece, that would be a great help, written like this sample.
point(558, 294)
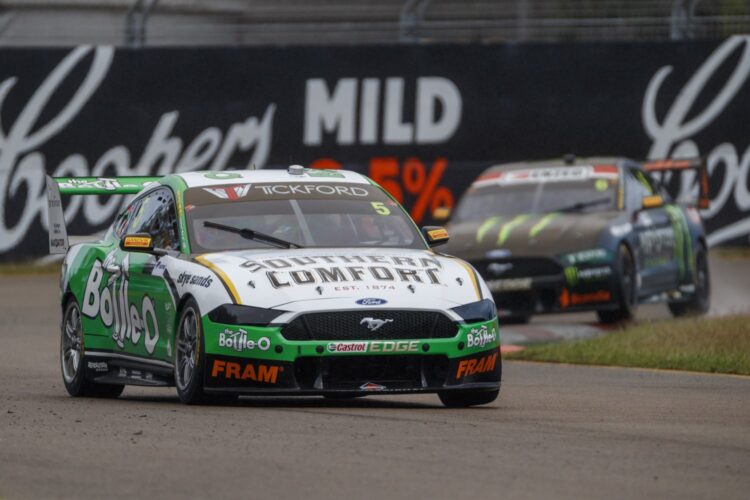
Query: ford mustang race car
point(584, 234)
point(272, 282)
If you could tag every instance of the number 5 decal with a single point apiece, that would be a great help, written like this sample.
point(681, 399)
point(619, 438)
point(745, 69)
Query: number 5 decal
point(380, 208)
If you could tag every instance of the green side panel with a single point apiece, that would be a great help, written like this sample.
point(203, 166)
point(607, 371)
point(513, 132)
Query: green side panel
point(103, 185)
point(683, 246)
point(130, 313)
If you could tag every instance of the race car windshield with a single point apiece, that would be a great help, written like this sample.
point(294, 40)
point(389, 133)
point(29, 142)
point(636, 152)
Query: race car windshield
point(310, 215)
point(584, 195)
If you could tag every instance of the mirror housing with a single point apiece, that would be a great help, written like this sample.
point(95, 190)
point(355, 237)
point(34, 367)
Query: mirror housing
point(653, 201)
point(441, 214)
point(435, 235)
point(139, 242)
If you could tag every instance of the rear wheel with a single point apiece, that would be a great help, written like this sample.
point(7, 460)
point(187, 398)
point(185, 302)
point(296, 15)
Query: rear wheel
point(700, 301)
point(628, 289)
point(463, 399)
point(72, 359)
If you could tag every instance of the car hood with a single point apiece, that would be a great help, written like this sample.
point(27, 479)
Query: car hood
point(337, 278)
point(527, 234)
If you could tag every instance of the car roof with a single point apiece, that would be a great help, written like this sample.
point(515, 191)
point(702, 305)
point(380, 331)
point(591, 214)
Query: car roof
point(228, 177)
point(561, 163)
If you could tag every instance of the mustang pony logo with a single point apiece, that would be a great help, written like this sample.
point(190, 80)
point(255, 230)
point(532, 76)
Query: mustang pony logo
point(374, 324)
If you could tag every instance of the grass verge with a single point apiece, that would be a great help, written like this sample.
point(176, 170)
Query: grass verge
point(716, 345)
point(30, 268)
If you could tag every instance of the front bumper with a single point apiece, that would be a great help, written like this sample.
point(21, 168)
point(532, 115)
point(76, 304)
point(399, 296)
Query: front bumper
point(259, 360)
point(571, 289)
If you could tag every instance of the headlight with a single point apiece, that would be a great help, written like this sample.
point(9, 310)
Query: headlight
point(484, 310)
point(233, 314)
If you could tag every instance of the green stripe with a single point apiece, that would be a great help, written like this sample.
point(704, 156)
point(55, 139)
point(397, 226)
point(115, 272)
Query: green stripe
point(486, 225)
point(543, 222)
point(510, 226)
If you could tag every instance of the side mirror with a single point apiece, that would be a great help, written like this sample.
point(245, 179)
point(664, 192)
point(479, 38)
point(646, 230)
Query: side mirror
point(441, 214)
point(654, 201)
point(435, 235)
point(139, 242)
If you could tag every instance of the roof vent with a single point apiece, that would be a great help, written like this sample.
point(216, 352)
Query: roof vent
point(569, 159)
point(296, 170)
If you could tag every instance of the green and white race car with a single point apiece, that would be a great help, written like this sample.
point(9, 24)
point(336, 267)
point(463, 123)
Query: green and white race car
point(272, 282)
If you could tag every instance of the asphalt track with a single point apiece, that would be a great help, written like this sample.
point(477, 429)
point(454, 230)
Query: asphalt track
point(555, 432)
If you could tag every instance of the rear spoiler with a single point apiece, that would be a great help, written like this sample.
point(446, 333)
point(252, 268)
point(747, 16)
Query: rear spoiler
point(697, 164)
point(59, 186)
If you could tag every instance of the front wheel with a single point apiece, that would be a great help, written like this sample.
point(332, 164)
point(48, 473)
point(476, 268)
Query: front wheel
point(463, 399)
point(72, 359)
point(189, 355)
point(628, 289)
point(700, 301)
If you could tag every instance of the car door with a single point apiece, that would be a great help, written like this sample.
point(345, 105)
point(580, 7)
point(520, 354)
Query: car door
point(654, 244)
point(147, 317)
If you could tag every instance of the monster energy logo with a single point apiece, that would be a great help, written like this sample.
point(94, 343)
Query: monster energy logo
point(571, 275)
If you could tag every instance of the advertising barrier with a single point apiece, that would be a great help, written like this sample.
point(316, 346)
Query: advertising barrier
point(423, 121)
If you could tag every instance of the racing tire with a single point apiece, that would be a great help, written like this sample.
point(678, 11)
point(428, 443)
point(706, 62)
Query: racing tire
point(190, 356)
point(700, 301)
point(73, 361)
point(628, 290)
point(464, 399)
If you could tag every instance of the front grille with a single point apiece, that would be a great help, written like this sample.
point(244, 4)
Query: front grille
point(353, 325)
point(518, 267)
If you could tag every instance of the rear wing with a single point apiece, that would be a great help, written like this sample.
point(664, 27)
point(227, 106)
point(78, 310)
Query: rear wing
point(697, 164)
point(57, 187)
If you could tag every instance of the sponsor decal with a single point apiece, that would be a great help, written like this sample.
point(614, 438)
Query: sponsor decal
point(100, 183)
point(267, 374)
point(194, 279)
point(480, 337)
point(321, 269)
point(312, 189)
point(375, 346)
point(549, 174)
point(137, 241)
point(568, 299)
point(370, 386)
point(110, 304)
point(574, 275)
point(98, 366)
point(374, 324)
point(593, 255)
point(347, 347)
point(657, 240)
point(469, 367)
point(229, 192)
point(371, 301)
point(437, 234)
point(509, 285)
point(238, 341)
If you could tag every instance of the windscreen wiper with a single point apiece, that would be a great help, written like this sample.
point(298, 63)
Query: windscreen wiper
point(250, 234)
point(575, 207)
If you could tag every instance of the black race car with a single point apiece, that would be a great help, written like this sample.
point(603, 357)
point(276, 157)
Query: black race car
point(584, 234)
